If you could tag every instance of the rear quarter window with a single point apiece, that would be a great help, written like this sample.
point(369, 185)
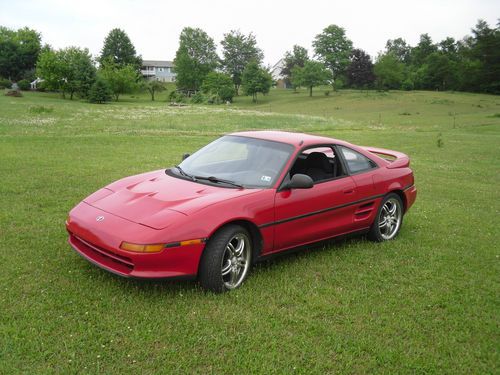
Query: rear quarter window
point(355, 161)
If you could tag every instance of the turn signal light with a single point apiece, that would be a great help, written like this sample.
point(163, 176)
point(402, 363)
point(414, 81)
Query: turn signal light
point(137, 248)
point(191, 242)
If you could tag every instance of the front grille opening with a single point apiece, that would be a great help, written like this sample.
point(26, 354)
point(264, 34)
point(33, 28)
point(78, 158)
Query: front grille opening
point(118, 262)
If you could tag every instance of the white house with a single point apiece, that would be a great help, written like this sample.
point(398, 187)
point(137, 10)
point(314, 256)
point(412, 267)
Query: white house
point(158, 70)
point(36, 82)
point(276, 74)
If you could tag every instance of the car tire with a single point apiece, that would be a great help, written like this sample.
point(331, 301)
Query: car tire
point(389, 219)
point(226, 259)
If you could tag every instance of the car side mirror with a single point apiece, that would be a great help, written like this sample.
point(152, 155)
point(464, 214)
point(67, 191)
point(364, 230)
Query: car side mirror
point(185, 156)
point(300, 181)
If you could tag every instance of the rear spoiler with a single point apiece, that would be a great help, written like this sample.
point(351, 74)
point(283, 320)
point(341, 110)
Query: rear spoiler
point(396, 159)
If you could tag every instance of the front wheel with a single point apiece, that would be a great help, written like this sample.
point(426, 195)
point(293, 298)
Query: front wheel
point(226, 259)
point(389, 219)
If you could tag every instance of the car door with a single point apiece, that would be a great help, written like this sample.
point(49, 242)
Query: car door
point(308, 215)
point(362, 170)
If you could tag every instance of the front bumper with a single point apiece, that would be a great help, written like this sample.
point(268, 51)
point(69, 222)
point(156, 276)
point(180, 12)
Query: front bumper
point(99, 243)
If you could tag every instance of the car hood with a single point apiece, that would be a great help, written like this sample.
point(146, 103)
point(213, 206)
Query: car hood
point(156, 199)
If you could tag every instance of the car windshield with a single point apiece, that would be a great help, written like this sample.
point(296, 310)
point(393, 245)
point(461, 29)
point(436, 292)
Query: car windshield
point(238, 160)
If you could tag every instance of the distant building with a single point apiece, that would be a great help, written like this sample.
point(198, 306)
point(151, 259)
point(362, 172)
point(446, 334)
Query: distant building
point(158, 70)
point(34, 84)
point(277, 76)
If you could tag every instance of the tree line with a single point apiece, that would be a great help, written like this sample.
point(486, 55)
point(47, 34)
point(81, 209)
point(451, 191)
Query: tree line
point(72, 70)
point(471, 64)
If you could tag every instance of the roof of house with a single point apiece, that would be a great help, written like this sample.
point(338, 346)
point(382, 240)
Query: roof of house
point(158, 63)
point(276, 69)
point(278, 64)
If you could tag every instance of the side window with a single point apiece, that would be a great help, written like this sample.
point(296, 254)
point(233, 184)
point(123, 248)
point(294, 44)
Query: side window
point(319, 163)
point(356, 162)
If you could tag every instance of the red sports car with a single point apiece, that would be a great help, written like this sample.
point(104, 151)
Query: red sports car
point(239, 199)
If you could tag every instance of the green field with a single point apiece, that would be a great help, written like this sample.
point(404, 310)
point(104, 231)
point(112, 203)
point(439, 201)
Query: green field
point(427, 302)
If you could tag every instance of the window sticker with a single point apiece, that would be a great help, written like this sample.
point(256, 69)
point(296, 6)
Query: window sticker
point(266, 178)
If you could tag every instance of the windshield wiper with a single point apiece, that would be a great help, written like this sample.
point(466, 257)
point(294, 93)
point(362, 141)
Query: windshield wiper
point(218, 180)
point(209, 178)
point(181, 171)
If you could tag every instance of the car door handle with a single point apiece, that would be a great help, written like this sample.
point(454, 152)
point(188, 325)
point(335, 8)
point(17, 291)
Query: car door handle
point(349, 191)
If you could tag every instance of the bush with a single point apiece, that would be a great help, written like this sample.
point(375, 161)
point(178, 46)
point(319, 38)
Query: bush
point(176, 97)
point(41, 86)
point(198, 98)
point(440, 142)
point(100, 92)
point(24, 85)
point(407, 85)
point(340, 83)
point(38, 109)
point(219, 87)
point(5, 83)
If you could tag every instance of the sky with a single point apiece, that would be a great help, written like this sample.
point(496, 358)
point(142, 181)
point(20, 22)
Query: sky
point(154, 26)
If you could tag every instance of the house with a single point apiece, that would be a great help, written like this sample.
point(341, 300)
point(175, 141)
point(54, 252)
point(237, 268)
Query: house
point(34, 84)
point(158, 70)
point(277, 76)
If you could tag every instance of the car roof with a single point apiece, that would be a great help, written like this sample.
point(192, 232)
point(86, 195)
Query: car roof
point(295, 139)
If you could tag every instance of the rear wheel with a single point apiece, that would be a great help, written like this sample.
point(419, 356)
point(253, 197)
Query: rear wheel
point(389, 219)
point(226, 259)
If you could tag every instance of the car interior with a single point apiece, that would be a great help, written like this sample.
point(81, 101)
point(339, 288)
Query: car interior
point(320, 164)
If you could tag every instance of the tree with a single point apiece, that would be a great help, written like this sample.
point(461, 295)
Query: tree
point(449, 47)
point(255, 79)
point(470, 65)
point(389, 72)
point(485, 48)
point(195, 58)
point(295, 58)
point(153, 86)
point(9, 58)
point(469, 74)
point(438, 73)
point(399, 49)
point(360, 70)
point(51, 68)
point(120, 79)
point(312, 74)
point(69, 70)
point(219, 86)
point(422, 50)
point(19, 52)
point(119, 48)
point(99, 92)
point(333, 49)
point(80, 69)
point(237, 51)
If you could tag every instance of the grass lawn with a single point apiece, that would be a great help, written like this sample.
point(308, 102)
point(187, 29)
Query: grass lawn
point(427, 302)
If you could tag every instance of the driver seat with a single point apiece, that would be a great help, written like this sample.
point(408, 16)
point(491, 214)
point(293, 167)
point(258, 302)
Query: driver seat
point(318, 167)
